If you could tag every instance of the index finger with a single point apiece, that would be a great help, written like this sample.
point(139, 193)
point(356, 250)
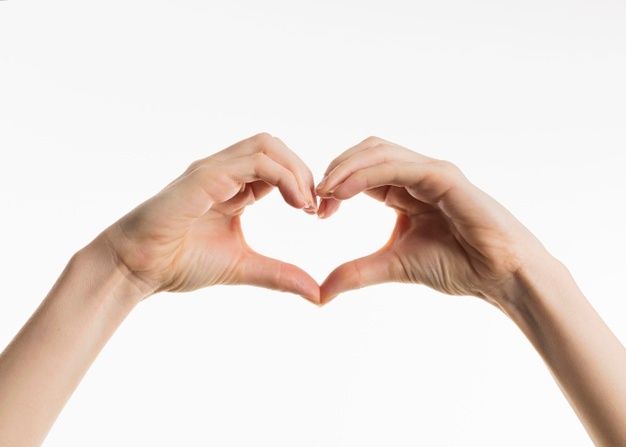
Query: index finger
point(278, 151)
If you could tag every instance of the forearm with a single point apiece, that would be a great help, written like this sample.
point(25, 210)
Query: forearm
point(44, 363)
point(585, 357)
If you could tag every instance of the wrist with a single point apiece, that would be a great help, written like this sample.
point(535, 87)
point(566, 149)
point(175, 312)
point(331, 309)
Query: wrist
point(540, 290)
point(98, 262)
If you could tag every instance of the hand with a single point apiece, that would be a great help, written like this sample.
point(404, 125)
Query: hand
point(449, 234)
point(189, 235)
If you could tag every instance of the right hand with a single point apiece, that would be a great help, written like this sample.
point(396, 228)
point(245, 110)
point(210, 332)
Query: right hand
point(449, 234)
point(189, 235)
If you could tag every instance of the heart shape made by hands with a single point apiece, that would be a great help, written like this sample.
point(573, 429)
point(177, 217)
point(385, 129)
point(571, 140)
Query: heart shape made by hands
point(318, 246)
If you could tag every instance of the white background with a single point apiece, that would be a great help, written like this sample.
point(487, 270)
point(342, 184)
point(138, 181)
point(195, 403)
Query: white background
point(103, 103)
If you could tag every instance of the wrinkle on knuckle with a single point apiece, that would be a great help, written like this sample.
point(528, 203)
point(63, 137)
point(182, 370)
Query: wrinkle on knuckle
point(372, 140)
point(259, 161)
point(194, 165)
point(448, 168)
point(380, 151)
point(262, 137)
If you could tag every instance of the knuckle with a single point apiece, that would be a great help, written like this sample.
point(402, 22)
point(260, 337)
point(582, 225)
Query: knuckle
point(263, 139)
point(259, 162)
point(449, 168)
point(373, 140)
point(194, 165)
point(259, 158)
point(381, 150)
point(203, 172)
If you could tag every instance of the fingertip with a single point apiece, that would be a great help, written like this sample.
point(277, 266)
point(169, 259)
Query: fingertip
point(311, 291)
point(333, 285)
point(332, 205)
point(321, 211)
point(326, 299)
point(295, 200)
point(324, 193)
point(313, 299)
point(313, 196)
point(311, 206)
point(305, 286)
point(326, 295)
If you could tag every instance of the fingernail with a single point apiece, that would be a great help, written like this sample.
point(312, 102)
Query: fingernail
point(321, 211)
point(321, 184)
point(310, 207)
point(325, 194)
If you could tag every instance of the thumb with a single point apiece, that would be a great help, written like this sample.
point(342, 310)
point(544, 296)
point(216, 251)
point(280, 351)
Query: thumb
point(259, 270)
point(380, 267)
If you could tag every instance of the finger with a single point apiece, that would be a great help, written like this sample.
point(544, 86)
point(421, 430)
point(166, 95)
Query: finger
point(259, 270)
point(251, 193)
point(278, 151)
point(368, 142)
point(373, 155)
point(380, 267)
point(217, 182)
point(399, 199)
point(260, 189)
point(328, 207)
point(261, 167)
point(286, 157)
point(381, 193)
point(428, 182)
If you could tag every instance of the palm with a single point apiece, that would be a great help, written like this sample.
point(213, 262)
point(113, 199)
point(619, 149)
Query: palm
point(208, 254)
point(212, 249)
point(188, 248)
point(425, 246)
point(430, 254)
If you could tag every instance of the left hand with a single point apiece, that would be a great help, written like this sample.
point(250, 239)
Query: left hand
point(449, 235)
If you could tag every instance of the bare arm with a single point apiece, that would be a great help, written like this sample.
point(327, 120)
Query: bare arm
point(585, 357)
point(45, 362)
point(453, 237)
point(186, 237)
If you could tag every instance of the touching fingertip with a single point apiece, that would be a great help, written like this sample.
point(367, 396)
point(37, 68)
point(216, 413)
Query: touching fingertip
point(312, 298)
point(321, 211)
point(327, 299)
point(320, 185)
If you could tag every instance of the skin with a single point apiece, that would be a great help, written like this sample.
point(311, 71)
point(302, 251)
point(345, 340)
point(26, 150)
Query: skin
point(449, 235)
point(186, 237)
point(453, 237)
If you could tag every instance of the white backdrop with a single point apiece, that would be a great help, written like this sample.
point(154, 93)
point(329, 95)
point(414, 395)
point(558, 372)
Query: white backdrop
point(103, 103)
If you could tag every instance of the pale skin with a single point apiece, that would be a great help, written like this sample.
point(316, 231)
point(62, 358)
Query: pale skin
point(449, 235)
